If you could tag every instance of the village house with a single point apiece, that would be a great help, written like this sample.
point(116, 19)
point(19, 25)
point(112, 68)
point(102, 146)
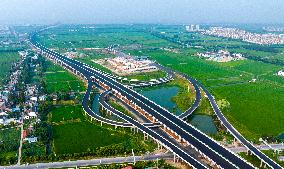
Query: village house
point(32, 115)
point(42, 98)
point(31, 139)
point(2, 105)
point(5, 121)
point(280, 73)
point(221, 56)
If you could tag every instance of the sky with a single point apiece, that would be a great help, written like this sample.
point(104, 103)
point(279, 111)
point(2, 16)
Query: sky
point(141, 11)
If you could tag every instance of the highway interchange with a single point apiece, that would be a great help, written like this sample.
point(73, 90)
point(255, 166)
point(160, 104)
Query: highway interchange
point(186, 133)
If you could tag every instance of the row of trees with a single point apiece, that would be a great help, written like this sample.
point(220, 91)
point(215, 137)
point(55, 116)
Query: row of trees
point(111, 150)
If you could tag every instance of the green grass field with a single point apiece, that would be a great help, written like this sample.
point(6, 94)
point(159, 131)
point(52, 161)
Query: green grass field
point(100, 37)
point(254, 108)
point(72, 133)
point(79, 137)
point(147, 76)
point(59, 80)
point(66, 113)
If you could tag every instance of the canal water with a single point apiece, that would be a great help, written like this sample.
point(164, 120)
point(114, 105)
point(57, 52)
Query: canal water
point(163, 96)
point(95, 105)
point(204, 123)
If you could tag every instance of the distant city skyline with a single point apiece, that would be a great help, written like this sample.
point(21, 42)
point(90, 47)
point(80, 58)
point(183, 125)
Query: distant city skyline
point(141, 11)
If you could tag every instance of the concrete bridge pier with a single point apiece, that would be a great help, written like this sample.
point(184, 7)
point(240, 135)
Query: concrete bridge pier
point(248, 152)
point(176, 158)
point(135, 130)
point(102, 107)
point(262, 164)
point(109, 112)
point(160, 146)
point(146, 136)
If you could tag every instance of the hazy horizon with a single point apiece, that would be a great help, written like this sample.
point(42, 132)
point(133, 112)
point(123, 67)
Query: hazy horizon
point(138, 11)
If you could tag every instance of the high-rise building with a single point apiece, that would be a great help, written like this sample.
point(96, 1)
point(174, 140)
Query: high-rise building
point(197, 28)
point(187, 28)
point(191, 28)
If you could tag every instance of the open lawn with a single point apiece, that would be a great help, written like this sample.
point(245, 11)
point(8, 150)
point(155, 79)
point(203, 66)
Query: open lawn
point(254, 108)
point(147, 76)
point(66, 113)
point(79, 137)
point(73, 133)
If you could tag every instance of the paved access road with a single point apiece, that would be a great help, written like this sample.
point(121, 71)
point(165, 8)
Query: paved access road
point(91, 162)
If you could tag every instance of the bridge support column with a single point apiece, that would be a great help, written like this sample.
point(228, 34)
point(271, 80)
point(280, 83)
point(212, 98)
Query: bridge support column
point(248, 152)
point(160, 146)
point(262, 164)
point(146, 136)
point(235, 142)
point(101, 123)
point(134, 129)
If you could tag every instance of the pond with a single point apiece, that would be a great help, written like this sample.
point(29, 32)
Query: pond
point(281, 136)
point(204, 123)
point(163, 96)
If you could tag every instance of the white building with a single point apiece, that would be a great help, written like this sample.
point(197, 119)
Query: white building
point(34, 99)
point(280, 73)
point(31, 139)
point(32, 114)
